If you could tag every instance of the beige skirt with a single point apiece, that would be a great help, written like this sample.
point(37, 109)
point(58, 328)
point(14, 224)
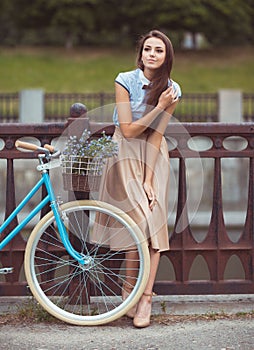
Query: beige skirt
point(122, 186)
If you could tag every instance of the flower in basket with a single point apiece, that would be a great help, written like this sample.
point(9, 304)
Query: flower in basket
point(86, 157)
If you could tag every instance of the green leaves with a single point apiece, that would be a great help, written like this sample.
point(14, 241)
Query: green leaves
point(120, 22)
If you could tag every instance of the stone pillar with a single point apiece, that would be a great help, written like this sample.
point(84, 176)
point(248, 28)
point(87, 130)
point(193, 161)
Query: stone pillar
point(31, 108)
point(230, 111)
point(230, 106)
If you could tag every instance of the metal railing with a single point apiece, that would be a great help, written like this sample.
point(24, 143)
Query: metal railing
point(9, 107)
point(248, 107)
point(194, 107)
point(217, 247)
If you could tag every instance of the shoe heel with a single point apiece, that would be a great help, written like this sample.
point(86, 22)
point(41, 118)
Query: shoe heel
point(144, 321)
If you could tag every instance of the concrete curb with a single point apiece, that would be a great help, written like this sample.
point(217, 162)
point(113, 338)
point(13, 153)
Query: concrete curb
point(171, 304)
point(203, 304)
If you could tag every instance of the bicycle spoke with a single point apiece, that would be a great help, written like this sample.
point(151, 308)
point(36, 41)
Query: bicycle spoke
point(89, 292)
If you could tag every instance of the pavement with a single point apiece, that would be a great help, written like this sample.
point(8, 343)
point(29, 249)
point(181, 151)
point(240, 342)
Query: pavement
point(223, 322)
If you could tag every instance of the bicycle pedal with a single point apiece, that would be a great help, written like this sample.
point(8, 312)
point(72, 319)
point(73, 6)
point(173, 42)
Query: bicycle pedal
point(6, 270)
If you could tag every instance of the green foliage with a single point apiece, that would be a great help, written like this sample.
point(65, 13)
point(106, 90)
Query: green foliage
point(99, 22)
point(73, 17)
point(32, 311)
point(228, 22)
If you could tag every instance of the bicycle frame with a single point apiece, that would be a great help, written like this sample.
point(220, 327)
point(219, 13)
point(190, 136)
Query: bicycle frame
point(50, 198)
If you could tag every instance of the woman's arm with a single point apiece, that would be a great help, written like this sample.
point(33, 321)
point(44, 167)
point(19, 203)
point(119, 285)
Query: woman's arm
point(133, 129)
point(152, 151)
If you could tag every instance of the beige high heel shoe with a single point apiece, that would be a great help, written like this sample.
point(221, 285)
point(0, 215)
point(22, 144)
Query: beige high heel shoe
point(126, 290)
point(143, 321)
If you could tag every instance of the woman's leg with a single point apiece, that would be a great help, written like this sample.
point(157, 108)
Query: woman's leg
point(131, 266)
point(142, 317)
point(154, 263)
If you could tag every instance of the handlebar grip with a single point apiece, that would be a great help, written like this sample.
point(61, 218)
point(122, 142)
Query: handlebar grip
point(26, 145)
point(50, 148)
point(33, 147)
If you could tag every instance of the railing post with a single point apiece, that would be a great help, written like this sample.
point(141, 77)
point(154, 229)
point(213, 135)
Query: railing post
point(31, 106)
point(13, 253)
point(77, 123)
point(230, 106)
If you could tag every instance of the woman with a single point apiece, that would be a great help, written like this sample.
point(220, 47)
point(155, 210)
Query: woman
point(138, 181)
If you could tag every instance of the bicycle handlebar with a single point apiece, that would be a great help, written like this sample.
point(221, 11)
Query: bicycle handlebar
point(32, 147)
point(50, 148)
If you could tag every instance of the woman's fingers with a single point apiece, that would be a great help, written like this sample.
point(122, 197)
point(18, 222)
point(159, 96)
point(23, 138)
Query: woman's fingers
point(152, 203)
point(150, 195)
point(170, 95)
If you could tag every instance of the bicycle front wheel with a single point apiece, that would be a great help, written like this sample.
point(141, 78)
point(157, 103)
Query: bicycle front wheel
point(115, 254)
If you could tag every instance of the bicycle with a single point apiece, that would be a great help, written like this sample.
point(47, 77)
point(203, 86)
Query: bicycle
point(76, 279)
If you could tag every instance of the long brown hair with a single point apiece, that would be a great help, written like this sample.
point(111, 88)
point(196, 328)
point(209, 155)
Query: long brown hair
point(159, 82)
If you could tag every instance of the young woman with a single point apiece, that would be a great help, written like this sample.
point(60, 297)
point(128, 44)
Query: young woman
point(138, 181)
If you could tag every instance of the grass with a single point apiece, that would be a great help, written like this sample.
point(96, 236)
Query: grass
point(210, 316)
point(94, 70)
point(60, 71)
point(210, 71)
point(33, 312)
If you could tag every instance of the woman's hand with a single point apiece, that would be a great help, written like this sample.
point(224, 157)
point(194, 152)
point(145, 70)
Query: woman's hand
point(150, 194)
point(167, 97)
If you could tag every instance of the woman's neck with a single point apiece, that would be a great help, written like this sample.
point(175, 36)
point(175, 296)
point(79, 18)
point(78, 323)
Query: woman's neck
point(149, 73)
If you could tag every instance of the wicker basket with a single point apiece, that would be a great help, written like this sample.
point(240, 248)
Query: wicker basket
point(81, 174)
point(83, 183)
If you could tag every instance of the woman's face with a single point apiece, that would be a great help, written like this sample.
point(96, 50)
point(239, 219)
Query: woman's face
point(153, 53)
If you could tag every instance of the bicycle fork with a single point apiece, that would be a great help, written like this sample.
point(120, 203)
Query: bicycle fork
point(59, 221)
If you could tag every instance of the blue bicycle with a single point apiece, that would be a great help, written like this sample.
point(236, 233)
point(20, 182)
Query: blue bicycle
point(71, 267)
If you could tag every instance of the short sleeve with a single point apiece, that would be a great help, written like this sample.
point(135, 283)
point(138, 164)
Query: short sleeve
point(123, 80)
point(177, 89)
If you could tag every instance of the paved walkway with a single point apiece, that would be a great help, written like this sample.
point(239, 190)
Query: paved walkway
point(167, 330)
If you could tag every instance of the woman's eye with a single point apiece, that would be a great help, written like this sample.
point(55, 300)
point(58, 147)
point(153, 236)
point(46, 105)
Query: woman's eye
point(146, 49)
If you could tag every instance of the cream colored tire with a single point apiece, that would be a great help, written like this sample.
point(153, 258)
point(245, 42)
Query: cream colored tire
point(89, 295)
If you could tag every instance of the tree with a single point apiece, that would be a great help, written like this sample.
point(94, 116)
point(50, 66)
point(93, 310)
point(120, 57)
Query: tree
point(74, 17)
point(182, 16)
point(36, 14)
point(222, 22)
point(119, 22)
point(125, 19)
point(228, 22)
point(8, 32)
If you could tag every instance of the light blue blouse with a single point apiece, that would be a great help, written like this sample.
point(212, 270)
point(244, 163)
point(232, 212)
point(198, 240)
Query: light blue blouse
point(134, 82)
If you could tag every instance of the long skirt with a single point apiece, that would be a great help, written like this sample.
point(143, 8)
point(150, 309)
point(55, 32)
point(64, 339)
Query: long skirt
point(122, 186)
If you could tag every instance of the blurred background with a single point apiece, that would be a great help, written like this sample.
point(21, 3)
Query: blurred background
point(54, 53)
point(72, 23)
point(80, 45)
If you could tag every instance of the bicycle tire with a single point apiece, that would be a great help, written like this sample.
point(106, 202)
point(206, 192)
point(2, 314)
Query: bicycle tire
point(88, 295)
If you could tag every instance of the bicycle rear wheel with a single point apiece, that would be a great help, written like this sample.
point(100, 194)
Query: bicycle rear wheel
point(115, 251)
